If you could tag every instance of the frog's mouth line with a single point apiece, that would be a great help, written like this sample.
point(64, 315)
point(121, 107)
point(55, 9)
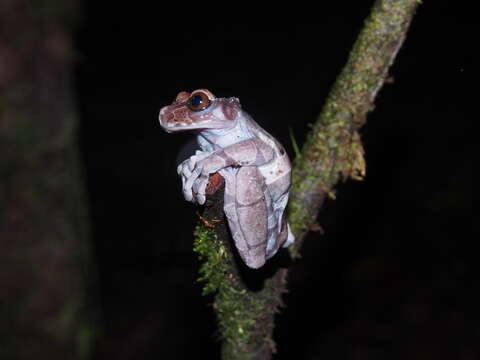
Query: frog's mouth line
point(180, 128)
point(170, 126)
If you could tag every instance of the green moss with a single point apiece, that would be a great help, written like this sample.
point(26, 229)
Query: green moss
point(214, 257)
point(236, 308)
point(230, 303)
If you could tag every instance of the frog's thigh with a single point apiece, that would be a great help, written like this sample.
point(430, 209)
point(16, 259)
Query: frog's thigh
point(230, 210)
point(252, 213)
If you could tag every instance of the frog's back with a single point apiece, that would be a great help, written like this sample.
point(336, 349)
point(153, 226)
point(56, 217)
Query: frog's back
point(277, 173)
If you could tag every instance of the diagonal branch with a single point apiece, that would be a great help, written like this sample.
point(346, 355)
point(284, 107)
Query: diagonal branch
point(332, 151)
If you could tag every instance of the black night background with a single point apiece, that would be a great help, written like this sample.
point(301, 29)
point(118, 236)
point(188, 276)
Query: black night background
point(394, 276)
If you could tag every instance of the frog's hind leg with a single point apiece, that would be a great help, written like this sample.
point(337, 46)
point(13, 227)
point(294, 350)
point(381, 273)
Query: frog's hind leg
point(279, 232)
point(246, 209)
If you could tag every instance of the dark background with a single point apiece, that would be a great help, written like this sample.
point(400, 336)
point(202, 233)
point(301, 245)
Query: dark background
point(394, 275)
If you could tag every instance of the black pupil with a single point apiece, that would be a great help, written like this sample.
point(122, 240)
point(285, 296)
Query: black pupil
point(196, 101)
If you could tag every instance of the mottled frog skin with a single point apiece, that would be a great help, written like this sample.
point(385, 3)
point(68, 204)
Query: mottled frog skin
point(255, 166)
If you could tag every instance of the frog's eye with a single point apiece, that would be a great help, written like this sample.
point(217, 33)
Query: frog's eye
point(198, 101)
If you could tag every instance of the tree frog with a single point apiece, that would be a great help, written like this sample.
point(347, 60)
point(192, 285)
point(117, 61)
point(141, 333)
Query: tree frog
point(254, 165)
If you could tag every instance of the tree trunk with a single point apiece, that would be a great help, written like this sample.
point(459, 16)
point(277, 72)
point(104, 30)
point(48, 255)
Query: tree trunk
point(43, 223)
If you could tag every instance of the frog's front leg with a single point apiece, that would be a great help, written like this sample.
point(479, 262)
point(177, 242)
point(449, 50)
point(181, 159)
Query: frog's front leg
point(245, 153)
point(248, 209)
point(189, 175)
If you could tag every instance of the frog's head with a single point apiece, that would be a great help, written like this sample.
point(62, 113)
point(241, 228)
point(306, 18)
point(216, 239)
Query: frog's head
point(199, 110)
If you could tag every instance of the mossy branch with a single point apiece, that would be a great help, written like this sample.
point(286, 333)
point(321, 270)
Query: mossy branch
point(245, 318)
point(332, 151)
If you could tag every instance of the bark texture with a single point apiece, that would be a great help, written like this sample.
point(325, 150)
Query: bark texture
point(332, 151)
point(43, 225)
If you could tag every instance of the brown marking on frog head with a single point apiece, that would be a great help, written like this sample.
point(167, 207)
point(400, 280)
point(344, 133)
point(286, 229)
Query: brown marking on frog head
point(199, 110)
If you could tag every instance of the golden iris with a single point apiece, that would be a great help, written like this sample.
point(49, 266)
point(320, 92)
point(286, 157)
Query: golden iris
point(198, 101)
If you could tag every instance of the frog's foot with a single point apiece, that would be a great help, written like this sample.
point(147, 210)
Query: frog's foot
point(290, 237)
point(284, 238)
point(189, 173)
point(199, 188)
point(206, 185)
point(188, 178)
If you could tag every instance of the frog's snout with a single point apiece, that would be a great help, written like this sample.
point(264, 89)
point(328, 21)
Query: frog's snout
point(164, 117)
